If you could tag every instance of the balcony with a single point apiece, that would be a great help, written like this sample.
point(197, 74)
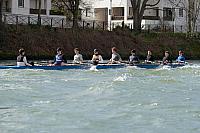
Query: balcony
point(55, 12)
point(118, 13)
point(6, 10)
point(117, 17)
point(168, 18)
point(36, 11)
point(151, 17)
point(130, 17)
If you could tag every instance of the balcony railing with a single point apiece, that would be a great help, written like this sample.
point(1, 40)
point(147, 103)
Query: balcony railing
point(146, 17)
point(6, 10)
point(151, 17)
point(117, 17)
point(36, 11)
point(168, 18)
point(53, 12)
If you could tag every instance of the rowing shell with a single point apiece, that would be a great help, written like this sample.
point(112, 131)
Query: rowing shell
point(156, 66)
point(102, 66)
point(85, 66)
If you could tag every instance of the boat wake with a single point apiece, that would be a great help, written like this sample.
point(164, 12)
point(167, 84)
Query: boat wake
point(121, 78)
point(94, 68)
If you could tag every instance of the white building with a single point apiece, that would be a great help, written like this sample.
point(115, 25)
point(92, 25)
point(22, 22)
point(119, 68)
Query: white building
point(118, 11)
point(26, 7)
point(111, 12)
point(26, 11)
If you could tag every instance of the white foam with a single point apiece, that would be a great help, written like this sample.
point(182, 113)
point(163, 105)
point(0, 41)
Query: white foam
point(154, 104)
point(121, 78)
point(94, 68)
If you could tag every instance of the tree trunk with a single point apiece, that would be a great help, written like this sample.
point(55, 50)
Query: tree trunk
point(39, 13)
point(137, 21)
point(76, 14)
point(75, 20)
point(191, 20)
point(1, 5)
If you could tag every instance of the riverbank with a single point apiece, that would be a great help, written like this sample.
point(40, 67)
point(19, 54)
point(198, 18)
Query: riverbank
point(42, 43)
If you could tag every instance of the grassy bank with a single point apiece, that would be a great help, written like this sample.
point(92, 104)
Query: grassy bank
point(42, 43)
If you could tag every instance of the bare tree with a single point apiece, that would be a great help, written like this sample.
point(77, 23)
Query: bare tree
point(39, 12)
point(192, 9)
point(71, 9)
point(193, 14)
point(139, 6)
point(1, 6)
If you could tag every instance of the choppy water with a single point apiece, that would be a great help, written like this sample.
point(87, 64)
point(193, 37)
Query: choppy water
point(108, 101)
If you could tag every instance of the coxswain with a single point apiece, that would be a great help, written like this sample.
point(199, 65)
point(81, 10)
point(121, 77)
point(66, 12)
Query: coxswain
point(21, 59)
point(96, 58)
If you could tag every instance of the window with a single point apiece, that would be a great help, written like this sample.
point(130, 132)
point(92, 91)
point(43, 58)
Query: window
point(168, 14)
point(157, 11)
point(21, 3)
point(130, 11)
point(118, 11)
point(87, 12)
point(180, 12)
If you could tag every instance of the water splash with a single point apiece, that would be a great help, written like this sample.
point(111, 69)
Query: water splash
point(94, 68)
point(121, 78)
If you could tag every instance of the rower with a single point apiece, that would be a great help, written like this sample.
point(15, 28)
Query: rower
point(133, 59)
point(150, 58)
point(167, 58)
point(116, 58)
point(60, 59)
point(97, 58)
point(78, 58)
point(21, 59)
point(181, 58)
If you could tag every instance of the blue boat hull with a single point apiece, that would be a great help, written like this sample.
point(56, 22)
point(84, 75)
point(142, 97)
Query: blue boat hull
point(156, 66)
point(109, 66)
point(85, 66)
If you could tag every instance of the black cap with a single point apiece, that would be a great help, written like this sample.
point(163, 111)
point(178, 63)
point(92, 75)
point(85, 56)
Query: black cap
point(59, 49)
point(96, 50)
point(21, 51)
point(133, 51)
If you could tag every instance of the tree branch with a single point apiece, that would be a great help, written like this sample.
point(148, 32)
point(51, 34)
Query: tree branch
point(153, 4)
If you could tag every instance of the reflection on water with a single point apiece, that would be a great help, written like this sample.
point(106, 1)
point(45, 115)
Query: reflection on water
point(111, 101)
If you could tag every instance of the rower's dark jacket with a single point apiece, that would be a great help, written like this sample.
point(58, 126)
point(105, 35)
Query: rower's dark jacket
point(167, 60)
point(134, 59)
point(20, 58)
point(59, 59)
point(150, 58)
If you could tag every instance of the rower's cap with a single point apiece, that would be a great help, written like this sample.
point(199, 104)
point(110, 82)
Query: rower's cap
point(133, 51)
point(96, 50)
point(21, 51)
point(59, 49)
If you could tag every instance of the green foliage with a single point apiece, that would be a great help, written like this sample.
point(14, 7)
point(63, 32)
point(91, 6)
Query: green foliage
point(41, 42)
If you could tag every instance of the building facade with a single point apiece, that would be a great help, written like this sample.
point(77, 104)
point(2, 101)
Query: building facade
point(116, 12)
point(26, 7)
point(166, 15)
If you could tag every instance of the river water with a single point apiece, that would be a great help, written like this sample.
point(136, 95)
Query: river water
point(124, 100)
